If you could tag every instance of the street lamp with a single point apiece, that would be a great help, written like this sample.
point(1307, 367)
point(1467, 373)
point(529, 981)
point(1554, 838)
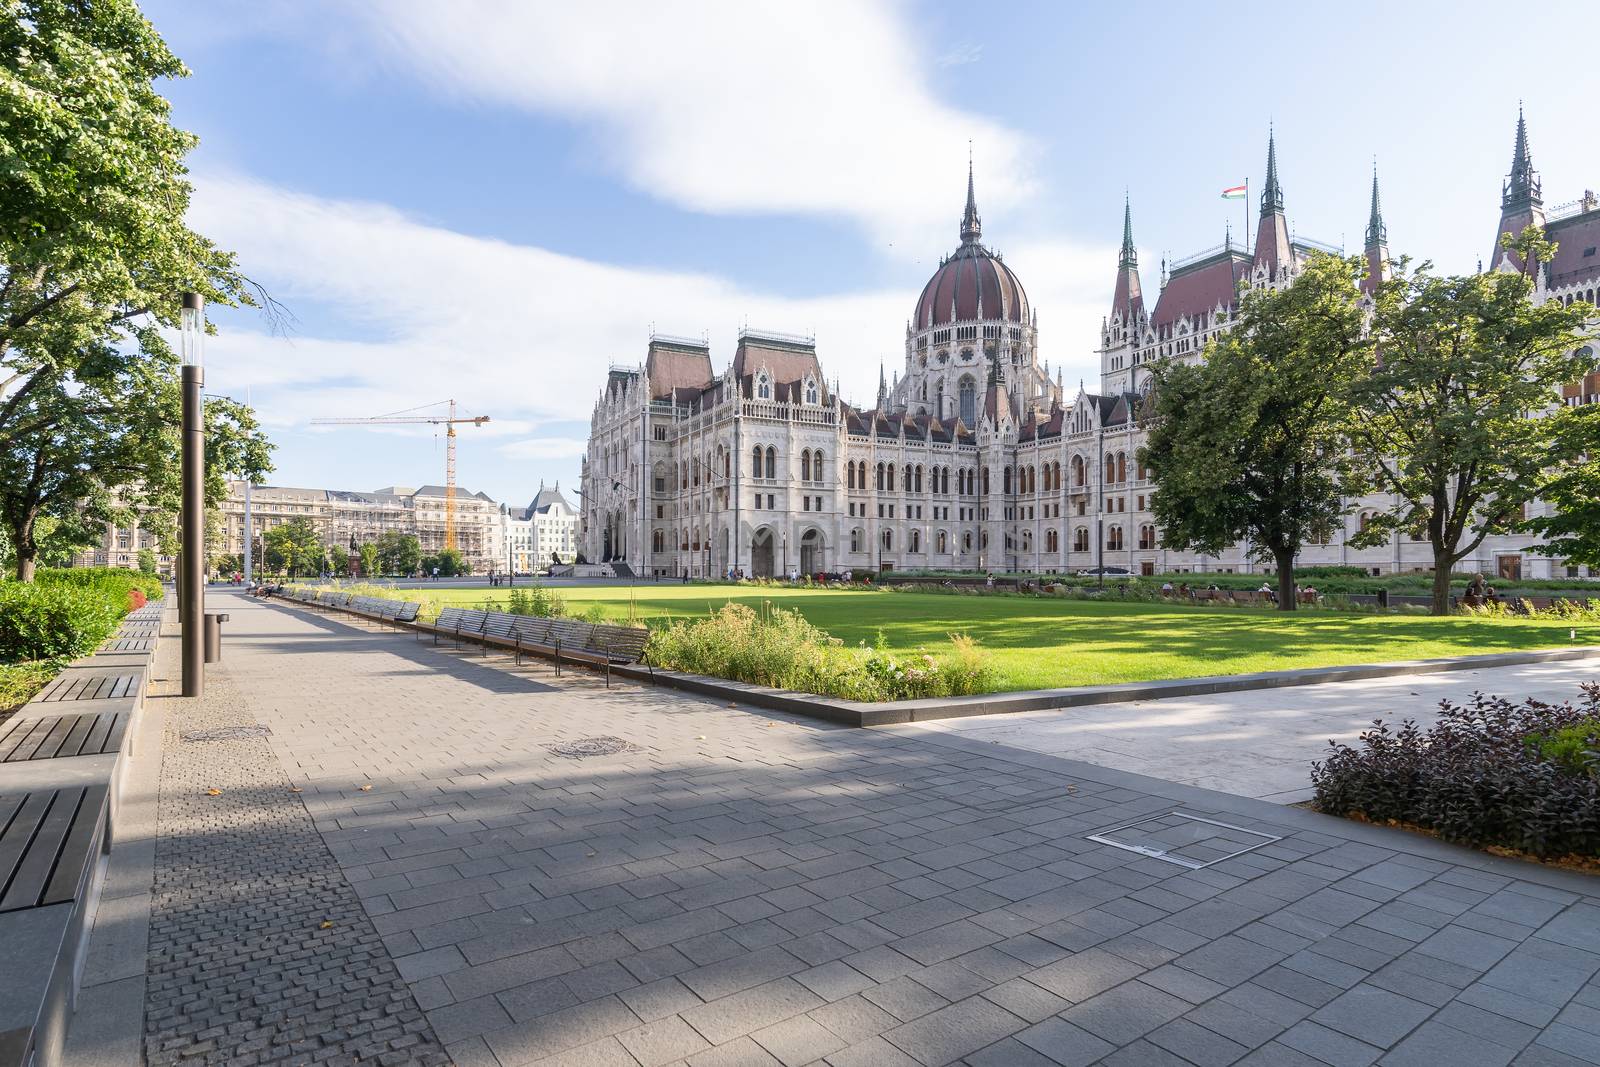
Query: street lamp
point(192, 605)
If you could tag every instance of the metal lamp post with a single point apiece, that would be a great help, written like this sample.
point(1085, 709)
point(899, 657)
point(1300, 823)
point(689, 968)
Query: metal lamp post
point(191, 341)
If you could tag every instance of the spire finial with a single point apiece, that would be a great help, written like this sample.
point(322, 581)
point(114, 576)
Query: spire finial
point(971, 224)
point(1272, 195)
point(1522, 184)
point(1129, 257)
point(1377, 234)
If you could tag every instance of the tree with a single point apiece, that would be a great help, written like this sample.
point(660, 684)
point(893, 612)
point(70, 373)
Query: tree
point(93, 196)
point(451, 563)
point(398, 553)
point(294, 547)
point(1452, 421)
point(1572, 532)
point(147, 561)
point(1250, 444)
point(339, 559)
point(369, 559)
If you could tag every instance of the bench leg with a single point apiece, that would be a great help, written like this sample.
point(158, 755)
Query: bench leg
point(608, 672)
point(519, 651)
point(558, 659)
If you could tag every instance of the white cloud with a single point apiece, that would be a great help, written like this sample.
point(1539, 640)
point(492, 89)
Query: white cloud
point(720, 107)
point(525, 335)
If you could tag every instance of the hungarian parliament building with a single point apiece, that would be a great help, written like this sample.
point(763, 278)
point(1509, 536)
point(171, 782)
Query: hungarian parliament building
point(974, 459)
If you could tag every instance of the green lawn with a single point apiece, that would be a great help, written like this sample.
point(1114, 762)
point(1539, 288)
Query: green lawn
point(1041, 643)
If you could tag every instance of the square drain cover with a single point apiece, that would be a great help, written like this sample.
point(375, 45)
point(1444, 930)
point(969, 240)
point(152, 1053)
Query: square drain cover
point(1190, 841)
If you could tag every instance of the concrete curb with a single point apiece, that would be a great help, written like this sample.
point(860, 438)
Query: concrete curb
point(888, 713)
point(854, 713)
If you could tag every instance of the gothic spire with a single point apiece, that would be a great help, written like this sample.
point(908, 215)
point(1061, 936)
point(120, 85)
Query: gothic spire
point(1129, 257)
point(1272, 195)
point(1377, 233)
point(1522, 184)
point(971, 224)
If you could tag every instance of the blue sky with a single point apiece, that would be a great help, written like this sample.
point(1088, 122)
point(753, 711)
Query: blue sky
point(496, 202)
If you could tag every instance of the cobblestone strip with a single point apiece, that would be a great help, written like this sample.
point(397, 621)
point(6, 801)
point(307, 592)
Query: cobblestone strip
point(260, 951)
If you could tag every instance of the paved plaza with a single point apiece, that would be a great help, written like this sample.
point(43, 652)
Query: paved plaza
point(429, 856)
point(1259, 743)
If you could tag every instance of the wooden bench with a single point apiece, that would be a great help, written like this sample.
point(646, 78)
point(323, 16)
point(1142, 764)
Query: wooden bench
point(91, 684)
point(620, 644)
point(51, 841)
point(459, 623)
point(94, 733)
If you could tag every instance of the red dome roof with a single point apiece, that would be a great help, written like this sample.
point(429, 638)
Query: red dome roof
point(972, 277)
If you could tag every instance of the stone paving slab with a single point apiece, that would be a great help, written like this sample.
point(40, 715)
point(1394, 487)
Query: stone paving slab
point(747, 888)
point(1260, 743)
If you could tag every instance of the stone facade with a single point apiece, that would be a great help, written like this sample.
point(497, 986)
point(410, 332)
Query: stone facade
point(974, 458)
point(539, 534)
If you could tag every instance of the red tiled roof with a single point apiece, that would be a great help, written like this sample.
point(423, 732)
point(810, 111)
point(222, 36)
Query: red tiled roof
point(973, 273)
point(673, 368)
point(1202, 288)
point(1574, 237)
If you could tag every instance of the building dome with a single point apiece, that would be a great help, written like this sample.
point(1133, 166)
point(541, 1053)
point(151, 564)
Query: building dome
point(972, 284)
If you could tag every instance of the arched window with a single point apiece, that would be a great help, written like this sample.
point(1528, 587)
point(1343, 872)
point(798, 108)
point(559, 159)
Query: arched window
point(1122, 466)
point(986, 481)
point(811, 392)
point(916, 540)
point(880, 477)
point(1114, 538)
point(888, 540)
point(1055, 476)
point(1006, 482)
point(966, 541)
point(816, 465)
point(727, 464)
point(855, 540)
point(1080, 539)
point(944, 481)
point(1147, 537)
point(658, 541)
point(755, 466)
point(1077, 472)
point(1111, 469)
point(942, 540)
point(772, 462)
point(1033, 480)
point(889, 480)
point(969, 402)
point(805, 465)
point(763, 386)
point(919, 483)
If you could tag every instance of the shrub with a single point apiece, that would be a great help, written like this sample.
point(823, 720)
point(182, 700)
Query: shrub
point(56, 620)
point(18, 683)
point(115, 581)
point(1487, 773)
point(781, 650)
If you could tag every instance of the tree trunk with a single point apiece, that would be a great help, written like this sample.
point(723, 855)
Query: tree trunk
point(27, 562)
point(1441, 583)
point(1285, 561)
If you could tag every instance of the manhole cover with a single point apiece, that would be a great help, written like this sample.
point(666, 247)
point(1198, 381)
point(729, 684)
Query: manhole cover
point(229, 733)
point(1190, 841)
point(592, 746)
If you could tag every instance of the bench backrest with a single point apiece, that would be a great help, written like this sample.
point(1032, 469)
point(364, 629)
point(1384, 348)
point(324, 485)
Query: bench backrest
point(623, 644)
point(406, 611)
point(570, 633)
point(499, 624)
point(532, 629)
point(462, 620)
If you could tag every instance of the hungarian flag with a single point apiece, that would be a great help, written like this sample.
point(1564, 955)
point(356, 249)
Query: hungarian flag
point(1236, 193)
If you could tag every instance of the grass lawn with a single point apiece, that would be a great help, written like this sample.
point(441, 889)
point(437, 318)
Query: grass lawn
point(1042, 643)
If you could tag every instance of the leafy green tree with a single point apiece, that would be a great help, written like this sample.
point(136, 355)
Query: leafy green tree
point(1573, 531)
point(93, 197)
point(399, 553)
point(369, 559)
point(1250, 444)
point(294, 547)
point(147, 561)
point(1453, 420)
point(339, 560)
point(451, 563)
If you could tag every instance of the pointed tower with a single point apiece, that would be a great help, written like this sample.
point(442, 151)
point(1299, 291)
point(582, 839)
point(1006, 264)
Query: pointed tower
point(1521, 204)
point(1272, 238)
point(1127, 299)
point(883, 389)
point(1377, 246)
point(971, 223)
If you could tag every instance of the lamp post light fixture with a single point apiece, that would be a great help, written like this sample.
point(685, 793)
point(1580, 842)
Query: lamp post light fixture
point(192, 604)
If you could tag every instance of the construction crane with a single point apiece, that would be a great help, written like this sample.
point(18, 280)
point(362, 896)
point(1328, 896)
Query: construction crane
point(400, 418)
